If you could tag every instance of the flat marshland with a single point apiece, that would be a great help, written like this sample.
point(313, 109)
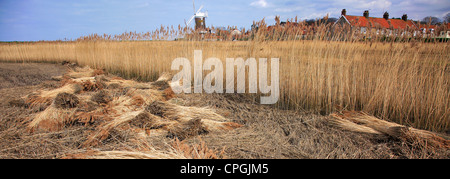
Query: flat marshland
point(403, 82)
point(408, 83)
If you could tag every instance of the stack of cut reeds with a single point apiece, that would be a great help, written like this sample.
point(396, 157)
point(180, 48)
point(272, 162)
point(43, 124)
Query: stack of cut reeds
point(364, 123)
point(118, 104)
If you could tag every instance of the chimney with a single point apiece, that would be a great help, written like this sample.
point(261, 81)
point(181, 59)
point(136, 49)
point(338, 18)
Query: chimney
point(344, 12)
point(366, 14)
point(405, 17)
point(386, 15)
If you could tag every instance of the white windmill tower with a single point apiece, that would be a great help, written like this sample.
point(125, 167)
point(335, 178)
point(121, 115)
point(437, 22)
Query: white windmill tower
point(199, 18)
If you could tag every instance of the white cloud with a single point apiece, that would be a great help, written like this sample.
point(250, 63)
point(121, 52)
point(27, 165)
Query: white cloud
point(288, 9)
point(259, 3)
point(377, 4)
point(363, 4)
point(316, 15)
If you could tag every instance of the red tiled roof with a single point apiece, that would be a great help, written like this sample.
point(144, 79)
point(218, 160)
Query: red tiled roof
point(398, 23)
point(380, 22)
point(362, 21)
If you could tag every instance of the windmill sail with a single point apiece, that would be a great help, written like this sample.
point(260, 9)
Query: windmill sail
point(199, 17)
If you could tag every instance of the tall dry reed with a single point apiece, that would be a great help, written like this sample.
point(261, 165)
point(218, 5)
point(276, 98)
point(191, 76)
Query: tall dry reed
point(405, 82)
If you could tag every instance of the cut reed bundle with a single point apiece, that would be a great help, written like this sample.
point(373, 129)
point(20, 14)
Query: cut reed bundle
point(364, 123)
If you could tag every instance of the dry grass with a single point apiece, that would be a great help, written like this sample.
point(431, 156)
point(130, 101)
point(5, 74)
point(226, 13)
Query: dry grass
point(176, 149)
point(405, 82)
point(262, 131)
point(272, 133)
point(197, 151)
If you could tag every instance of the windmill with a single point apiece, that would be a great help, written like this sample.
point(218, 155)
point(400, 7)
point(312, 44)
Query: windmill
point(199, 18)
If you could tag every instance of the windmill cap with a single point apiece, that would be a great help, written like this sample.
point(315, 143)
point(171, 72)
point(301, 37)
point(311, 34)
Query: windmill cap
point(201, 14)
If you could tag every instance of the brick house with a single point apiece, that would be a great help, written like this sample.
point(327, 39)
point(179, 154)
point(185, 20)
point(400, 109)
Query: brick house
point(384, 26)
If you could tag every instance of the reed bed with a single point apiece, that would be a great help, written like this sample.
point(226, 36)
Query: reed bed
point(407, 82)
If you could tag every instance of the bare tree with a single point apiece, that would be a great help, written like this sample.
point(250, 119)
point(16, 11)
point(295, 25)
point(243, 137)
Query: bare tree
point(332, 20)
point(447, 18)
point(431, 20)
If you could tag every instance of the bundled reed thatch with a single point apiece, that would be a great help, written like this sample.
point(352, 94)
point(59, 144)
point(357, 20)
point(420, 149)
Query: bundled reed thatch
point(163, 81)
point(190, 128)
point(362, 122)
point(66, 100)
point(92, 86)
point(102, 131)
point(110, 103)
point(51, 119)
point(46, 97)
point(101, 97)
point(163, 118)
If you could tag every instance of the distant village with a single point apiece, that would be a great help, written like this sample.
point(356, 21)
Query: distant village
point(391, 26)
point(346, 27)
point(361, 26)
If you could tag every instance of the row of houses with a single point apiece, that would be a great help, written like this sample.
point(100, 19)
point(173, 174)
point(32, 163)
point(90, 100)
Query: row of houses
point(390, 26)
point(345, 27)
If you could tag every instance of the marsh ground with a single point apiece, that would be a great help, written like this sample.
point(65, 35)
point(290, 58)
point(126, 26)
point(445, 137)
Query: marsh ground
point(267, 132)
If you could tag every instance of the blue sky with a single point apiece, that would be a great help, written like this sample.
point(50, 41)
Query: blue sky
point(31, 20)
